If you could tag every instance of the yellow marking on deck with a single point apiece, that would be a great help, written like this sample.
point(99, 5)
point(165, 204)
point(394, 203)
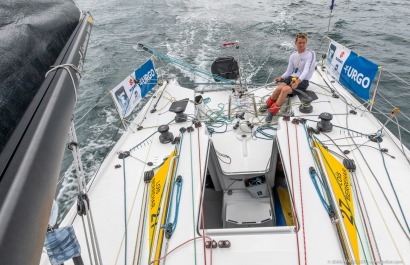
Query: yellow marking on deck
point(340, 180)
point(157, 189)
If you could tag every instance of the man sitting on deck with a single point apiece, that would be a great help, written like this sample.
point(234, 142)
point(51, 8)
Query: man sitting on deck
point(300, 69)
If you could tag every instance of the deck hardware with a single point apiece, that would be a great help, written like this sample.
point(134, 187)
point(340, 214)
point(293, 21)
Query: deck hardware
point(176, 140)
point(82, 208)
point(376, 138)
point(305, 100)
point(224, 244)
point(117, 166)
point(178, 107)
point(166, 136)
point(349, 164)
point(295, 121)
point(182, 130)
point(353, 112)
point(71, 145)
point(123, 155)
point(324, 125)
point(346, 152)
point(139, 128)
point(148, 175)
point(190, 129)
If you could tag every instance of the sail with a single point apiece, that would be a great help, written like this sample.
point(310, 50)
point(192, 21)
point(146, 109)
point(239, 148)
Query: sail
point(32, 34)
point(33, 143)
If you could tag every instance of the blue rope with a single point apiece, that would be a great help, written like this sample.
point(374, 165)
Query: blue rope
point(391, 184)
point(262, 130)
point(313, 176)
point(172, 190)
point(171, 226)
point(330, 205)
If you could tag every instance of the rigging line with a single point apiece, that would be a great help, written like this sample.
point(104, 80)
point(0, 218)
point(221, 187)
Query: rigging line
point(326, 205)
point(96, 104)
point(180, 245)
point(201, 196)
point(87, 240)
point(346, 199)
point(344, 128)
point(401, 142)
point(337, 146)
point(334, 90)
point(125, 213)
point(293, 192)
point(140, 225)
point(396, 76)
point(402, 113)
point(301, 194)
point(381, 113)
point(359, 221)
point(99, 46)
point(378, 208)
point(394, 190)
point(319, 168)
point(141, 245)
point(363, 213)
point(384, 194)
point(192, 194)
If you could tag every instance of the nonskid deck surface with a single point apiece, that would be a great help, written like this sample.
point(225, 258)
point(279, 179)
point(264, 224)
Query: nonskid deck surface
point(214, 165)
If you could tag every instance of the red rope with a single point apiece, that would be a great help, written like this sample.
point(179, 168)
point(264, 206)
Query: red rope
point(180, 245)
point(293, 195)
point(301, 194)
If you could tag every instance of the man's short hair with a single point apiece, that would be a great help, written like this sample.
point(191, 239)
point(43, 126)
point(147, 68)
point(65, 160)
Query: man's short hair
point(301, 35)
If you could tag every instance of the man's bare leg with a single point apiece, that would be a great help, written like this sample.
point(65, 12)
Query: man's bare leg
point(285, 91)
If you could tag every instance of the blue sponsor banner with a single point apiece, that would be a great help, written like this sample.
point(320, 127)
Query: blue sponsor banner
point(358, 74)
point(147, 77)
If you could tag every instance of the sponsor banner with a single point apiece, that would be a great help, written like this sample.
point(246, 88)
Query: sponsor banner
point(147, 77)
point(132, 89)
point(351, 70)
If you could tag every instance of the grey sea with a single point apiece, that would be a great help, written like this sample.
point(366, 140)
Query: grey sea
point(194, 30)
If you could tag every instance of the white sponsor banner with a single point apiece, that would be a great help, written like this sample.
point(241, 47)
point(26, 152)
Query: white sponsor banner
point(126, 95)
point(336, 57)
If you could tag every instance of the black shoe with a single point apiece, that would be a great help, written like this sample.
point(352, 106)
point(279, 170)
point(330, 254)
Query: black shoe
point(263, 108)
point(269, 117)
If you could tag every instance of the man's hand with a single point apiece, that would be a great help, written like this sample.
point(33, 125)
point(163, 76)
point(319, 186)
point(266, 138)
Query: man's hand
point(295, 84)
point(278, 79)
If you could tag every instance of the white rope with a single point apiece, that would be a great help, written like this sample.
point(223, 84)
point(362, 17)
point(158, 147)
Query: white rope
point(396, 76)
point(67, 67)
point(96, 104)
